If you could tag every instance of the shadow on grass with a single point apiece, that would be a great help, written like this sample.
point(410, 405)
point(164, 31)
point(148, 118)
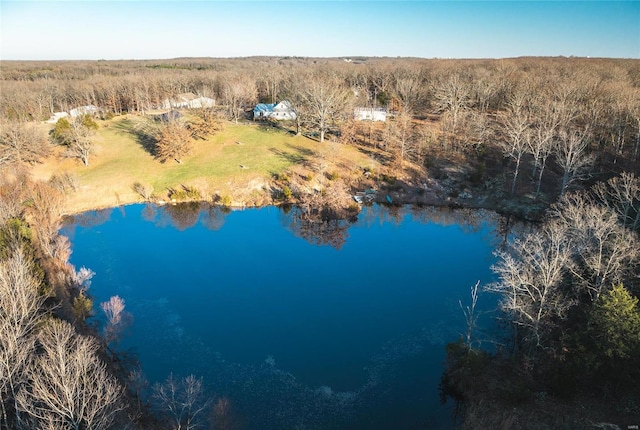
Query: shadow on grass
point(142, 131)
point(297, 155)
point(380, 155)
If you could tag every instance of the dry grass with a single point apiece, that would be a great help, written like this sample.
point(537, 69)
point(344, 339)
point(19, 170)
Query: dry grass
point(239, 162)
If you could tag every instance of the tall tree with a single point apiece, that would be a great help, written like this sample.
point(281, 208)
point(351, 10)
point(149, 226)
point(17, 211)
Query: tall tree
point(622, 195)
point(451, 96)
point(324, 98)
point(604, 252)
point(182, 401)
point(22, 143)
point(21, 304)
point(540, 140)
point(529, 281)
point(69, 386)
point(572, 154)
point(515, 129)
point(76, 136)
point(173, 141)
point(238, 93)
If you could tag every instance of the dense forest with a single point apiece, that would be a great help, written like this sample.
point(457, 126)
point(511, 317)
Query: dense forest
point(552, 140)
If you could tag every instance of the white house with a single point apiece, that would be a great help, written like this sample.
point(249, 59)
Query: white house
point(56, 116)
point(370, 114)
point(278, 111)
point(83, 110)
point(188, 100)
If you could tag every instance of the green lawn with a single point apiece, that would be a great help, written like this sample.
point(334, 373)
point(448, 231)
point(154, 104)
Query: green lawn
point(237, 157)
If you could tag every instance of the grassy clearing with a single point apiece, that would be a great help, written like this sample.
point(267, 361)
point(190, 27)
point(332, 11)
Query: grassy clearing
point(238, 162)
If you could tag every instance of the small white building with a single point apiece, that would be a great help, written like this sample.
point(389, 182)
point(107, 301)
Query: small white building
point(56, 116)
point(202, 103)
point(370, 114)
point(282, 111)
point(84, 110)
point(188, 100)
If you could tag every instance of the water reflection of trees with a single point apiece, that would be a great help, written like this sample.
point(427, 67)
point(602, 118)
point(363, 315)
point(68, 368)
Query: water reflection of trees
point(182, 216)
point(185, 215)
point(90, 219)
point(335, 232)
point(213, 217)
point(315, 230)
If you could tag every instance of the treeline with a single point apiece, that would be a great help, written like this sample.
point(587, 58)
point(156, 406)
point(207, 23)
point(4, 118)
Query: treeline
point(543, 122)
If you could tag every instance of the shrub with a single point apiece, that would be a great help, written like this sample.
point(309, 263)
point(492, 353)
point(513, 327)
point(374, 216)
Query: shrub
point(281, 177)
point(185, 193)
point(82, 306)
point(333, 176)
point(225, 200)
point(192, 192)
point(64, 182)
point(287, 193)
point(391, 180)
point(145, 191)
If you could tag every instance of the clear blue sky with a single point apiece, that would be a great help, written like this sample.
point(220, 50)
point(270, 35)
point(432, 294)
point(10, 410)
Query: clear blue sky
point(54, 30)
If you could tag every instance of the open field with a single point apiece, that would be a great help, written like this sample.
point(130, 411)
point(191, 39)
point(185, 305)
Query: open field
point(238, 162)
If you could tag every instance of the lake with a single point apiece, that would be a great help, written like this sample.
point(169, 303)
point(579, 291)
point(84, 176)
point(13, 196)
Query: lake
point(299, 324)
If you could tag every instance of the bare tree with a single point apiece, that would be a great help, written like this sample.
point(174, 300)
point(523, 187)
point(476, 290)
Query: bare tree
point(529, 282)
point(45, 209)
point(238, 93)
point(470, 315)
point(22, 143)
point(622, 195)
point(294, 91)
point(69, 386)
point(540, 140)
point(603, 250)
point(78, 138)
point(12, 194)
point(21, 305)
point(324, 98)
point(400, 136)
point(116, 317)
point(451, 95)
point(182, 401)
point(572, 154)
point(408, 88)
point(515, 127)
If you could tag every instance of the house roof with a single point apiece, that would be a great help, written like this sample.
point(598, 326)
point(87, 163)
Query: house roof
point(264, 107)
point(283, 105)
point(369, 109)
point(186, 96)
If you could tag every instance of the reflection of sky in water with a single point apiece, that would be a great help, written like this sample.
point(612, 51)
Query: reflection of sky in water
point(301, 333)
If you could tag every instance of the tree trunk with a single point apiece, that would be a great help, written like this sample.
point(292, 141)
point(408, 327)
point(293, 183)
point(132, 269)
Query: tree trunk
point(515, 176)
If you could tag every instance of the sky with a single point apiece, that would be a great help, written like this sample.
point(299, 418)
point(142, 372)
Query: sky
point(111, 30)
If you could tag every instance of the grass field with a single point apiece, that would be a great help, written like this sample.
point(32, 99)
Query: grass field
point(238, 162)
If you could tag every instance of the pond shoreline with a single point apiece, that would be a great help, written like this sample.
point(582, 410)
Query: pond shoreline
point(526, 208)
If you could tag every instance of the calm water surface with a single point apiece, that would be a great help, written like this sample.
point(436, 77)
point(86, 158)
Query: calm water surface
point(338, 325)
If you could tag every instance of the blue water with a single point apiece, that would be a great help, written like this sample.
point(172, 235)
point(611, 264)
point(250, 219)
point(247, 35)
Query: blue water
point(307, 325)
